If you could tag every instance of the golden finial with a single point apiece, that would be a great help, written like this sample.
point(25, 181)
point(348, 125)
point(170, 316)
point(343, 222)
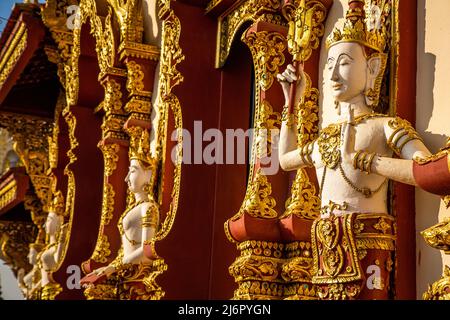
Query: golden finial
point(366, 23)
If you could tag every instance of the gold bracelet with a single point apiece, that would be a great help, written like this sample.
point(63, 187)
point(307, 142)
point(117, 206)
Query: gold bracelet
point(361, 160)
point(369, 163)
point(288, 117)
point(355, 159)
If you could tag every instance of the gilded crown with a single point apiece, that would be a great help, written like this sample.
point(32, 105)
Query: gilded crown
point(57, 204)
point(140, 147)
point(366, 22)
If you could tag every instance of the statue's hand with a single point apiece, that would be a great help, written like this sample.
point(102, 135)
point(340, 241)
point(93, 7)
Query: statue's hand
point(107, 271)
point(287, 77)
point(348, 138)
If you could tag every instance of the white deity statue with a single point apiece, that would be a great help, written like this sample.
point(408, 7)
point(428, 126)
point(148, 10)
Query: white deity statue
point(353, 162)
point(49, 258)
point(138, 224)
point(28, 281)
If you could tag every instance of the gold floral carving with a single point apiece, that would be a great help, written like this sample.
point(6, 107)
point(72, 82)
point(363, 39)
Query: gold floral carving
point(54, 16)
point(297, 272)
point(133, 275)
point(71, 72)
point(106, 291)
point(53, 139)
point(308, 114)
point(329, 143)
point(107, 204)
point(112, 103)
point(102, 249)
point(267, 50)
point(130, 18)
point(257, 271)
point(135, 80)
point(50, 291)
point(13, 53)
point(304, 202)
point(258, 201)
point(440, 290)
point(242, 12)
point(15, 238)
point(334, 243)
point(110, 156)
point(169, 77)
point(438, 236)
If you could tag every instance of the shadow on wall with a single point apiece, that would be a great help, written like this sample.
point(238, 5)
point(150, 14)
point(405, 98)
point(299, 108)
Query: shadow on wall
point(429, 260)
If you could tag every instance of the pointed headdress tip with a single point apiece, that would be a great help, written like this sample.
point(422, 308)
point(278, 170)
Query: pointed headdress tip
point(366, 23)
point(141, 151)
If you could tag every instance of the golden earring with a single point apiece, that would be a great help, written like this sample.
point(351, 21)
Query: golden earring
point(146, 188)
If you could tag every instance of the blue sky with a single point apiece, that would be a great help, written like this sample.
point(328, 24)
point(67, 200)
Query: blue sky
point(5, 10)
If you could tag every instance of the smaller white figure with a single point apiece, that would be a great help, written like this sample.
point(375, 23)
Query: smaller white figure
point(28, 281)
point(139, 223)
point(56, 231)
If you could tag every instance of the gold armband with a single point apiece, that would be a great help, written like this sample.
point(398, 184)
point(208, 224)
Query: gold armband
point(151, 217)
point(402, 134)
point(289, 118)
point(305, 153)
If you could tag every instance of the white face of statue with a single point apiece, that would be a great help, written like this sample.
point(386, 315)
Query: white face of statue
point(32, 256)
point(52, 223)
point(137, 176)
point(348, 68)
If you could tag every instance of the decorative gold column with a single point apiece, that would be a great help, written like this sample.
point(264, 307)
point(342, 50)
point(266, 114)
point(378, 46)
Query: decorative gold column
point(254, 228)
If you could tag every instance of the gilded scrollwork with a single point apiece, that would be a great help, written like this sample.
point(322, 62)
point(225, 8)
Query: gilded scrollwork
point(440, 290)
point(229, 24)
point(257, 271)
point(258, 201)
point(15, 237)
point(267, 50)
point(169, 77)
point(13, 53)
point(304, 202)
point(438, 236)
point(102, 249)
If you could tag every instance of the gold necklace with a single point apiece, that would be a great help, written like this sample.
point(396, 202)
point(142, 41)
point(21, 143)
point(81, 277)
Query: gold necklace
point(329, 142)
point(120, 223)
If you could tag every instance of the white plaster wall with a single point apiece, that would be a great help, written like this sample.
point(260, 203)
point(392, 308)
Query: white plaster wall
point(433, 114)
